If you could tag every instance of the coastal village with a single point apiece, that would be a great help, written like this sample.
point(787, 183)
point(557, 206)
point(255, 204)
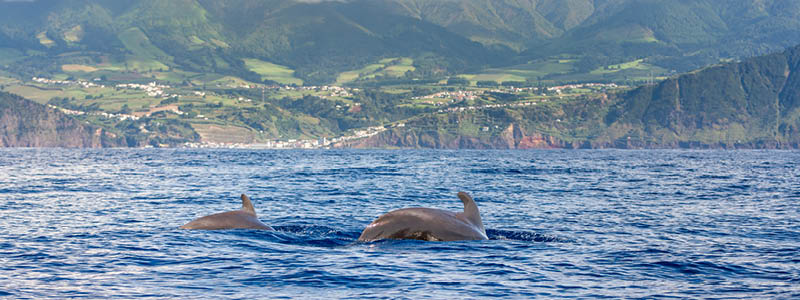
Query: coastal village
point(322, 143)
point(444, 99)
point(157, 90)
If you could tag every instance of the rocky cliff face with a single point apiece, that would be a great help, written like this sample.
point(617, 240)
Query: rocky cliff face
point(24, 123)
point(753, 104)
point(513, 137)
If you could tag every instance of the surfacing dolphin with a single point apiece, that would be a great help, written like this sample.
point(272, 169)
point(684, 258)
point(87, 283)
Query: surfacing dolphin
point(244, 218)
point(428, 224)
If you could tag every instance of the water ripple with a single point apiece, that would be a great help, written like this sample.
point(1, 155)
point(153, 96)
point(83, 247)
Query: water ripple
point(562, 224)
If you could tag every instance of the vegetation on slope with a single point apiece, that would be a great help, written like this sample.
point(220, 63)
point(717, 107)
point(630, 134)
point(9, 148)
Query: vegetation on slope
point(752, 104)
point(319, 40)
point(24, 123)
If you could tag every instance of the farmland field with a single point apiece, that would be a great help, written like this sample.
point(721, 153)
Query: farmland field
point(270, 71)
point(389, 67)
point(78, 68)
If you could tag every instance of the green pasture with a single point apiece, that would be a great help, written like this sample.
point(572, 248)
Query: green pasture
point(399, 68)
point(389, 67)
point(396, 90)
point(74, 34)
point(349, 76)
point(45, 40)
point(139, 44)
point(524, 72)
point(205, 78)
point(112, 104)
point(270, 71)
point(560, 69)
point(196, 40)
point(35, 94)
point(496, 77)
point(111, 100)
point(7, 80)
point(636, 64)
point(219, 43)
point(222, 80)
point(131, 63)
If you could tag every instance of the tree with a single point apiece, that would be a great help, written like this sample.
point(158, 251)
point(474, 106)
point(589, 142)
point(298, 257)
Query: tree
point(487, 83)
point(457, 81)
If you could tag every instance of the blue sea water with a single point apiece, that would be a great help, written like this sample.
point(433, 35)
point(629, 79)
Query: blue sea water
point(562, 224)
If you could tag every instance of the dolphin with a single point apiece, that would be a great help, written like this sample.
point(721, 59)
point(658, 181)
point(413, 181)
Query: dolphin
point(428, 224)
point(244, 218)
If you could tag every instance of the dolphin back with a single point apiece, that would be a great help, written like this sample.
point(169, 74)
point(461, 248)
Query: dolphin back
point(236, 219)
point(244, 218)
point(428, 224)
point(247, 205)
point(471, 213)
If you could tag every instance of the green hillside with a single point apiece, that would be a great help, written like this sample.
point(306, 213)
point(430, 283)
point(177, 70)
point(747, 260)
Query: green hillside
point(751, 104)
point(511, 23)
point(24, 123)
point(434, 73)
point(321, 41)
point(755, 101)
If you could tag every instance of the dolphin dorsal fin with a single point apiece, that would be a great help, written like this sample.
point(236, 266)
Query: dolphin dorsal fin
point(247, 205)
point(470, 210)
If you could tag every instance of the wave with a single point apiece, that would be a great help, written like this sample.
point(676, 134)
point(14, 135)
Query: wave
point(355, 171)
point(330, 237)
point(524, 236)
point(534, 171)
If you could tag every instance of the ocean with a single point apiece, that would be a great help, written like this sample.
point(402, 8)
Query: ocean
point(652, 224)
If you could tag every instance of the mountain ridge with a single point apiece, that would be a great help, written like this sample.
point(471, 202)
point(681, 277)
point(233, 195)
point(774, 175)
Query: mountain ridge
point(753, 104)
point(322, 38)
point(264, 68)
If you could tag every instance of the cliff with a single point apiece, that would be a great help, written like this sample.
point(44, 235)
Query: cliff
point(754, 103)
point(750, 104)
point(24, 123)
point(511, 138)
